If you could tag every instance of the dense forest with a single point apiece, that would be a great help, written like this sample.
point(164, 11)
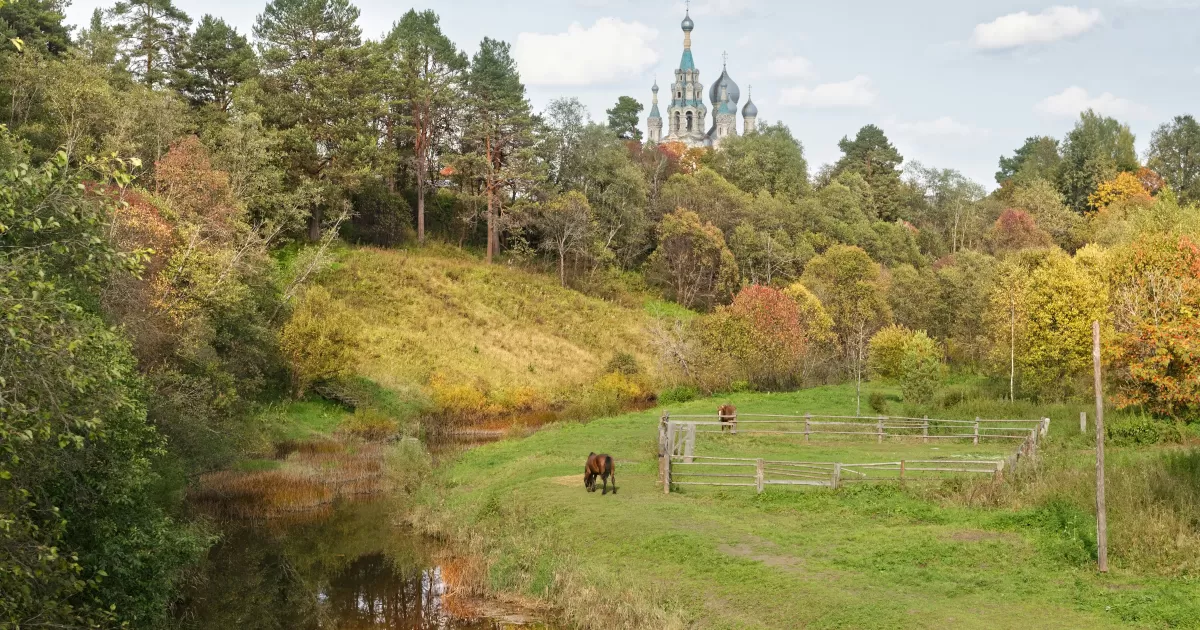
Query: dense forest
point(169, 187)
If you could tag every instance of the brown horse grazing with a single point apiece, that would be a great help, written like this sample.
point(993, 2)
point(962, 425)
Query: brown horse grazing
point(599, 466)
point(726, 413)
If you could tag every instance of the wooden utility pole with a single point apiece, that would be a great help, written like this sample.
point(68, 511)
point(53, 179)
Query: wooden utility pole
point(1101, 514)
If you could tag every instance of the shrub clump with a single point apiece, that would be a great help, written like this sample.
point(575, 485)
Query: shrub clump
point(887, 352)
point(920, 368)
point(370, 424)
point(1142, 431)
point(320, 340)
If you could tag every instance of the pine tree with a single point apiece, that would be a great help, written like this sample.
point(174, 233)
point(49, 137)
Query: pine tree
point(312, 58)
point(429, 74)
point(152, 31)
point(872, 155)
point(499, 124)
point(38, 24)
point(217, 59)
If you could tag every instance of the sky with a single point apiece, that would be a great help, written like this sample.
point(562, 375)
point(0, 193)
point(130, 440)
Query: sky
point(954, 84)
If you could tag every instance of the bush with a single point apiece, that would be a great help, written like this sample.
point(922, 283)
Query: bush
point(878, 402)
point(887, 352)
point(1141, 431)
point(623, 363)
point(370, 424)
point(921, 368)
point(677, 395)
point(320, 340)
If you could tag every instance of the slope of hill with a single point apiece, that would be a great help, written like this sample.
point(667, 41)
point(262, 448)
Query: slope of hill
point(471, 337)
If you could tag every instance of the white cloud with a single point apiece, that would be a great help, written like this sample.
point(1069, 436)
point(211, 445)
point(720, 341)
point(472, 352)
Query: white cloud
point(939, 127)
point(857, 92)
point(716, 8)
point(1073, 100)
point(1023, 29)
point(608, 51)
point(791, 68)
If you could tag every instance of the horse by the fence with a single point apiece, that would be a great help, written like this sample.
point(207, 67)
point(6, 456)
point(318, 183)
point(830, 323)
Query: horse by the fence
point(599, 466)
point(727, 414)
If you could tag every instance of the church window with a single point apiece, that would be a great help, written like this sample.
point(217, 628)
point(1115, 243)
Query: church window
point(689, 121)
point(676, 121)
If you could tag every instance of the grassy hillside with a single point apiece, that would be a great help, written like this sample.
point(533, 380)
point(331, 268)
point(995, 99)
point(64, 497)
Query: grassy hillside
point(958, 554)
point(439, 323)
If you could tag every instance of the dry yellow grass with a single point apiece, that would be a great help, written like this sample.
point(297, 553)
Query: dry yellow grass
point(467, 335)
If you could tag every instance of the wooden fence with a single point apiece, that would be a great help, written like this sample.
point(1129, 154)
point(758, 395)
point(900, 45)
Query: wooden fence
point(679, 465)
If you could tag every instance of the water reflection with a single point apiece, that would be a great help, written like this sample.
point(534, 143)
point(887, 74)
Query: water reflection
point(349, 570)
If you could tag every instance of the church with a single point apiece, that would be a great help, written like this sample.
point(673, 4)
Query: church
point(687, 114)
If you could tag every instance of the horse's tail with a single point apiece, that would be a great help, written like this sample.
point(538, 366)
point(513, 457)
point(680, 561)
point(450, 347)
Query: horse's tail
point(608, 465)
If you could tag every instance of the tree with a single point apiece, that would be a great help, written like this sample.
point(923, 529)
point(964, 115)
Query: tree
point(951, 205)
point(84, 541)
point(1156, 304)
point(1095, 151)
point(498, 125)
point(1016, 229)
point(887, 352)
point(38, 24)
point(849, 286)
point(912, 294)
point(563, 125)
point(430, 75)
point(691, 263)
point(565, 226)
point(623, 118)
point(1045, 204)
point(152, 31)
point(872, 155)
point(315, 97)
point(771, 160)
point(760, 338)
point(964, 282)
point(216, 60)
point(1175, 154)
point(709, 195)
point(1038, 158)
point(1062, 300)
point(99, 42)
point(1122, 188)
point(921, 368)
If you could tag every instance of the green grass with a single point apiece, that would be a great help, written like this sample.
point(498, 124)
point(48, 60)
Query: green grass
point(304, 419)
point(955, 554)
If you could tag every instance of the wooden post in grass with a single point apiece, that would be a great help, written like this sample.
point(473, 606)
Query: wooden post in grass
point(807, 420)
point(925, 429)
point(663, 448)
point(837, 476)
point(1101, 512)
point(689, 443)
point(902, 470)
point(1083, 422)
point(879, 428)
point(759, 475)
point(976, 429)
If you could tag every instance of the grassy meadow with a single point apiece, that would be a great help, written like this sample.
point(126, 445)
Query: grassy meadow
point(463, 337)
point(964, 553)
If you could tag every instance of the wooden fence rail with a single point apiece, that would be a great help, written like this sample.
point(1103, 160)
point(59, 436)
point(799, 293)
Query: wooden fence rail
point(680, 466)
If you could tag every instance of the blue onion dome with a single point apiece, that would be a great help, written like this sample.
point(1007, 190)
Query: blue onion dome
point(750, 111)
point(731, 89)
point(655, 88)
point(688, 25)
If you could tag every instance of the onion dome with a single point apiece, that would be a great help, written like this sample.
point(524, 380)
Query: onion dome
point(654, 108)
point(655, 88)
point(750, 111)
point(732, 93)
point(688, 25)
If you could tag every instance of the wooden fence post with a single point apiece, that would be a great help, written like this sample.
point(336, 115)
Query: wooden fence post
point(1083, 422)
point(759, 475)
point(1101, 511)
point(837, 476)
point(733, 431)
point(689, 444)
point(1045, 427)
point(999, 467)
point(902, 470)
point(879, 428)
point(925, 429)
point(807, 420)
point(976, 429)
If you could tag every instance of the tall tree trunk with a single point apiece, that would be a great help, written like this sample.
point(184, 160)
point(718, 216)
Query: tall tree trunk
point(562, 271)
point(1012, 349)
point(421, 206)
point(314, 223)
point(491, 223)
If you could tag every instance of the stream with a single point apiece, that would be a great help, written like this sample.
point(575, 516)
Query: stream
point(348, 568)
